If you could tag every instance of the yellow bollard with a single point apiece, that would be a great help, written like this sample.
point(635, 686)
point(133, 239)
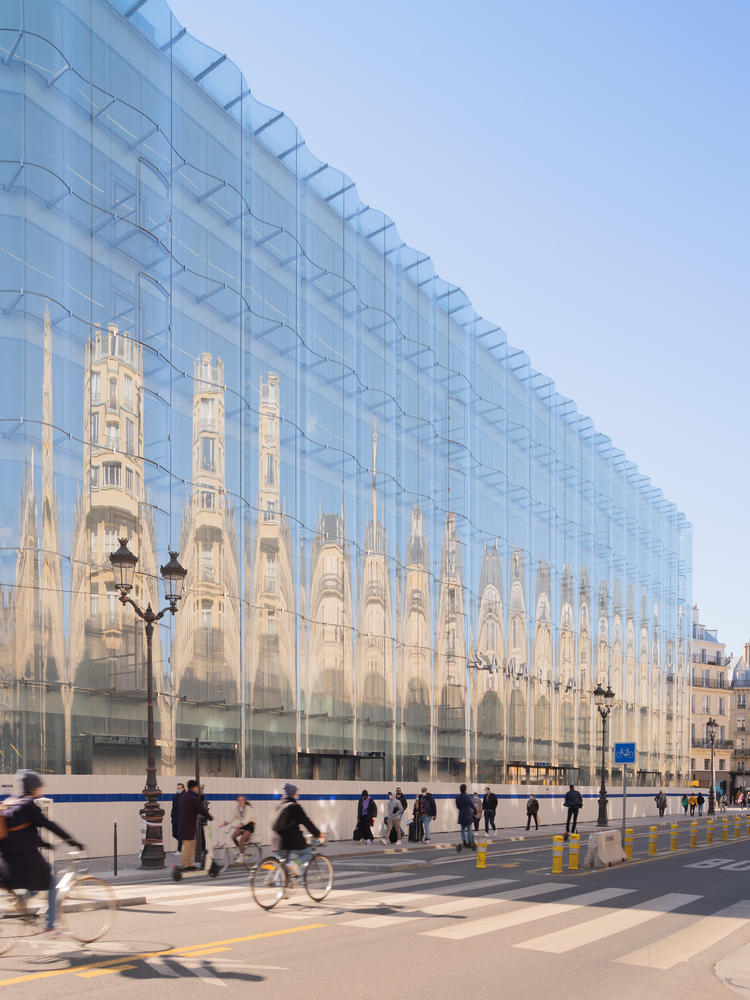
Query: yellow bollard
point(674, 837)
point(557, 855)
point(573, 849)
point(737, 826)
point(725, 829)
point(694, 834)
point(710, 832)
point(481, 853)
point(652, 832)
point(747, 826)
point(629, 844)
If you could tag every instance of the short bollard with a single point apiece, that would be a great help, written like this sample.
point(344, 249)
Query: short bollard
point(573, 849)
point(481, 853)
point(673, 845)
point(694, 834)
point(557, 855)
point(710, 832)
point(747, 826)
point(629, 844)
point(652, 832)
point(737, 827)
point(725, 829)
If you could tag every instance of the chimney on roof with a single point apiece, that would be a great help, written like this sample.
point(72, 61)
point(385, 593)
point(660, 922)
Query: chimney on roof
point(696, 613)
point(747, 655)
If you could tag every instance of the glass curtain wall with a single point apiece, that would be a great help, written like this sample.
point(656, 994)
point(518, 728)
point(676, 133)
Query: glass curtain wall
point(408, 557)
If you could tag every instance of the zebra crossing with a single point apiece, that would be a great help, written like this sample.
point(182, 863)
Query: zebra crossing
point(494, 906)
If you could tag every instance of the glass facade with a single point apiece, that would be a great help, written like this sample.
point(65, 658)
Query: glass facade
point(408, 557)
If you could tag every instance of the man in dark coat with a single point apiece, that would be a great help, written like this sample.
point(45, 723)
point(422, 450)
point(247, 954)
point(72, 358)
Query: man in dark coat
point(466, 813)
point(367, 810)
point(573, 802)
point(489, 808)
point(176, 814)
point(532, 810)
point(191, 808)
point(21, 864)
point(287, 838)
point(428, 809)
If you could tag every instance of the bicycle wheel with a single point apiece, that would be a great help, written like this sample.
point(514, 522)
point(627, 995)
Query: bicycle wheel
point(252, 856)
point(14, 920)
point(269, 882)
point(222, 857)
point(88, 909)
point(319, 878)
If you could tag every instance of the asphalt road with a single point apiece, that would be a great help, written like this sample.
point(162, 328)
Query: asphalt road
point(651, 928)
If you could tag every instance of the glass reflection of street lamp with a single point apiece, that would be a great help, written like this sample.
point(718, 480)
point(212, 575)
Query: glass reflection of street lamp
point(604, 700)
point(123, 565)
point(711, 728)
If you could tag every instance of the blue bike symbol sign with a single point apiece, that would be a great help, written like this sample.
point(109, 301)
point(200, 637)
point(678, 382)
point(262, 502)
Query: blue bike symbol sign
point(624, 753)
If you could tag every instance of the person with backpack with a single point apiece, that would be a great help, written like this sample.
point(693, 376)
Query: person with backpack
point(21, 864)
point(428, 809)
point(367, 811)
point(466, 811)
point(286, 836)
point(661, 802)
point(489, 807)
point(394, 809)
point(573, 802)
point(700, 800)
point(693, 803)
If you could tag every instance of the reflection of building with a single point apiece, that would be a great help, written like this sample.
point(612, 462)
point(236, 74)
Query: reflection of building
point(107, 647)
point(271, 637)
point(375, 722)
point(416, 653)
point(450, 674)
point(488, 702)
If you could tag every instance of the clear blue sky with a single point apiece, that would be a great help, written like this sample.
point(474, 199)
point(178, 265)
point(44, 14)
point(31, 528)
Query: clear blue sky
point(582, 171)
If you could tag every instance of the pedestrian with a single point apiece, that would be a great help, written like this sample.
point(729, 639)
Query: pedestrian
point(465, 806)
point(416, 827)
point(573, 802)
point(532, 809)
point(243, 823)
point(661, 802)
point(428, 809)
point(175, 815)
point(393, 814)
point(191, 808)
point(404, 807)
point(477, 810)
point(700, 800)
point(685, 802)
point(723, 803)
point(693, 803)
point(489, 807)
point(367, 811)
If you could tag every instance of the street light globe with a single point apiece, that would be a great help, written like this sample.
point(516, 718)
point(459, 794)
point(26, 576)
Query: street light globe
point(599, 695)
point(123, 565)
point(174, 578)
point(609, 697)
point(711, 728)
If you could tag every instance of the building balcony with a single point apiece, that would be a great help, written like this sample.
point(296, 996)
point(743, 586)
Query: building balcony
point(374, 590)
point(704, 744)
point(716, 661)
point(331, 581)
point(698, 681)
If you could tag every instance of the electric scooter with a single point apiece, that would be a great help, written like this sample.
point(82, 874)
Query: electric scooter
point(210, 866)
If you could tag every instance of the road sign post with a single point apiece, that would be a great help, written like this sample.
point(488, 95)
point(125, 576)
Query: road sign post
point(624, 754)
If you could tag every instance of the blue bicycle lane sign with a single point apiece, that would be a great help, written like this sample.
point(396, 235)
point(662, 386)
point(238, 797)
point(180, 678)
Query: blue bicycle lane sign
point(624, 753)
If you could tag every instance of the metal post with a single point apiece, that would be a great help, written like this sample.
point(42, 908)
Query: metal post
point(624, 798)
point(153, 849)
point(711, 793)
point(602, 820)
point(115, 849)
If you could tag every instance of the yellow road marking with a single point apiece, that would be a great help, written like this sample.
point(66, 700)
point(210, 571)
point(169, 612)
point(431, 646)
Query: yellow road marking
point(103, 972)
point(205, 951)
point(78, 969)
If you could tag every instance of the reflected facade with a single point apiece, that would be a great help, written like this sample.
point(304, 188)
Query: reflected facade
point(408, 557)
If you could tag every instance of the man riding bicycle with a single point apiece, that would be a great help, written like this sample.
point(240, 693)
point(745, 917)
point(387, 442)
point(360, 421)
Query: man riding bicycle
point(286, 836)
point(21, 864)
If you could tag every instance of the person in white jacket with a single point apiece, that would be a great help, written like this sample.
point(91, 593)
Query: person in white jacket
point(393, 818)
point(242, 821)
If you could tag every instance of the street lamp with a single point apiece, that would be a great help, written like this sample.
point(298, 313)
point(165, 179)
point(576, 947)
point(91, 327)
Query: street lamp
point(604, 700)
point(711, 728)
point(123, 565)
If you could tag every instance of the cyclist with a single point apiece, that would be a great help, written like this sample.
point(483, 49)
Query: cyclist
point(286, 836)
point(243, 823)
point(21, 864)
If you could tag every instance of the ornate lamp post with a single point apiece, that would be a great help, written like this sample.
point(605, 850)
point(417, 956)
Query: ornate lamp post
point(123, 564)
point(604, 700)
point(712, 728)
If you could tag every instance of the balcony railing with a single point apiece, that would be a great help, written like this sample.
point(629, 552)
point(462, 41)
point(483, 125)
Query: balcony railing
point(698, 681)
point(701, 743)
point(717, 661)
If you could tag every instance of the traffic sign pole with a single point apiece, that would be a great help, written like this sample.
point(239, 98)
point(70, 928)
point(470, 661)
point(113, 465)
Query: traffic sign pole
point(624, 754)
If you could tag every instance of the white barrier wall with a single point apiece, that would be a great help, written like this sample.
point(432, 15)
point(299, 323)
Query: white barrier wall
point(88, 805)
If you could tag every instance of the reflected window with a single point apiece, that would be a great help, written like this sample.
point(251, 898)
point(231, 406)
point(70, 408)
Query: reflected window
point(129, 437)
point(208, 454)
point(95, 428)
point(206, 614)
point(270, 512)
point(207, 561)
point(94, 545)
point(112, 474)
point(94, 477)
point(94, 604)
point(113, 613)
point(112, 402)
point(271, 573)
point(113, 436)
point(129, 480)
point(128, 391)
point(208, 499)
point(96, 387)
point(270, 470)
point(208, 408)
point(111, 543)
point(272, 623)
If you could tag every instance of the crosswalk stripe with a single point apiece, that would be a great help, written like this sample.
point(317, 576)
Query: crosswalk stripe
point(160, 966)
point(203, 899)
point(538, 911)
point(682, 945)
point(613, 923)
point(199, 969)
point(405, 883)
point(373, 923)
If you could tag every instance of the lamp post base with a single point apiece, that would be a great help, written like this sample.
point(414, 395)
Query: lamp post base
point(153, 856)
point(603, 819)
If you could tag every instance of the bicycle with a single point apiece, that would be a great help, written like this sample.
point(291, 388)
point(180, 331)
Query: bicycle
point(273, 879)
point(86, 908)
point(228, 853)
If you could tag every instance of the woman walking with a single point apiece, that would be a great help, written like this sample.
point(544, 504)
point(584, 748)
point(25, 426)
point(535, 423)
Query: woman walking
point(367, 810)
point(478, 809)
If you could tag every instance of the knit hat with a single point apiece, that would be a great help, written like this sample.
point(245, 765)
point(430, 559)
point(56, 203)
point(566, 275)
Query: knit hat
point(30, 781)
point(290, 789)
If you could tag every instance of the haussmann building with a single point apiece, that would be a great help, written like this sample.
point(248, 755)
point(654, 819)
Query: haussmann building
point(408, 557)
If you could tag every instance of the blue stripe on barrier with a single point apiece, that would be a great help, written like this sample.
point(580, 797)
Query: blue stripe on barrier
point(340, 797)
